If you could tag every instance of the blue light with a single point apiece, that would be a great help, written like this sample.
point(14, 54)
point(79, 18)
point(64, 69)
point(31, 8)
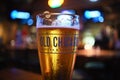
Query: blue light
point(101, 19)
point(98, 19)
point(19, 15)
point(87, 14)
point(95, 14)
point(95, 19)
point(14, 14)
point(92, 14)
point(23, 15)
point(30, 22)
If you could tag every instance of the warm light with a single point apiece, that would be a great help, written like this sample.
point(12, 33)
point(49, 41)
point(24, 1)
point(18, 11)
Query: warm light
point(89, 41)
point(47, 63)
point(55, 3)
point(88, 46)
point(55, 57)
point(12, 42)
point(1, 30)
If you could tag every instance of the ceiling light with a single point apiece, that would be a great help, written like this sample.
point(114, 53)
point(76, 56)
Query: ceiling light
point(55, 3)
point(93, 0)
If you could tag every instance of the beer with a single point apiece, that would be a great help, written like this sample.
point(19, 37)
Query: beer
point(56, 66)
point(56, 48)
point(57, 38)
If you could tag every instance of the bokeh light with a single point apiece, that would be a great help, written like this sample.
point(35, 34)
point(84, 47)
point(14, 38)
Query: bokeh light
point(93, 0)
point(19, 15)
point(30, 22)
point(55, 3)
point(92, 14)
point(68, 11)
point(89, 42)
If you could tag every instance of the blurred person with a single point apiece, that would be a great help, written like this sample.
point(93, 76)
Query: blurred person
point(19, 40)
point(0, 40)
point(1, 43)
point(102, 40)
point(2, 49)
point(116, 39)
point(105, 39)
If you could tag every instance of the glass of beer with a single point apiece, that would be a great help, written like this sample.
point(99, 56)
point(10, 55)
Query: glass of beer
point(57, 39)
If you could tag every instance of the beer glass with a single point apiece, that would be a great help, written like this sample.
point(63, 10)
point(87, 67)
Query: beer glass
point(57, 38)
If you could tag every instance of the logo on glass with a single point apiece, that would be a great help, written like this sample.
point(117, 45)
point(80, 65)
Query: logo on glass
point(56, 43)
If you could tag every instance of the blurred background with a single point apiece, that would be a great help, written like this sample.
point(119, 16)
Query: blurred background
point(98, 48)
point(99, 20)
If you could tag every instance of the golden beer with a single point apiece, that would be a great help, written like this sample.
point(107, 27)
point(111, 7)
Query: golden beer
point(57, 47)
point(57, 38)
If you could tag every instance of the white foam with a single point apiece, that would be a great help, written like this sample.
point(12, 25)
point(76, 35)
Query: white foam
point(73, 27)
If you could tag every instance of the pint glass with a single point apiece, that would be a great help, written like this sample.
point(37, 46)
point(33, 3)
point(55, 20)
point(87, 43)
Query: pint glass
point(57, 38)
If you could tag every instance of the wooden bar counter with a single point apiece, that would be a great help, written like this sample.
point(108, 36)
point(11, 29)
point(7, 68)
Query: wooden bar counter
point(18, 74)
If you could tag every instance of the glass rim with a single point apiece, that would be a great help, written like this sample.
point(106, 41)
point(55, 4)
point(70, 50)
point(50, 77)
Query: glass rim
point(49, 15)
point(56, 13)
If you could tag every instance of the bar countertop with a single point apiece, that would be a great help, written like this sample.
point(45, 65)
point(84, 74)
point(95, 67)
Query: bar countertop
point(18, 74)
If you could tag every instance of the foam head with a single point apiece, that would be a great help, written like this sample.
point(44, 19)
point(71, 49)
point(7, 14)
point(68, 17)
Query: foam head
point(57, 20)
